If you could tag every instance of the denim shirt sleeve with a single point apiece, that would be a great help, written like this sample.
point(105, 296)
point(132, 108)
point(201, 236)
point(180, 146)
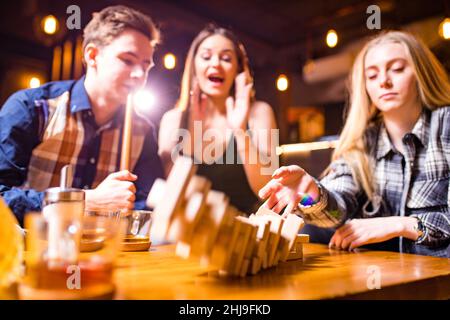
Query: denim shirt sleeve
point(148, 168)
point(18, 137)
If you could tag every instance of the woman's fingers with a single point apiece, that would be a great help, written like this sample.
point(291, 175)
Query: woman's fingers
point(271, 202)
point(343, 232)
point(278, 200)
point(240, 84)
point(288, 172)
point(281, 204)
point(358, 242)
point(229, 104)
point(348, 240)
point(293, 203)
point(271, 187)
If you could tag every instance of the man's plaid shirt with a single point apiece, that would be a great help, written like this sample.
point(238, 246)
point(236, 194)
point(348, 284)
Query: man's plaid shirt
point(45, 128)
point(413, 184)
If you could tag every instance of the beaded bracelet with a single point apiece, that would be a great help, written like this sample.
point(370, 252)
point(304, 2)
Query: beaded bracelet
point(307, 200)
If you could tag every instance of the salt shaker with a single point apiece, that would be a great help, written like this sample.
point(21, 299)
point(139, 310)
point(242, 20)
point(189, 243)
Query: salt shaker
point(63, 209)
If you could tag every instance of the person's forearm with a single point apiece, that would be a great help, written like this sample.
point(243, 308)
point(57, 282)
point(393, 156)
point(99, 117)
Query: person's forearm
point(407, 227)
point(22, 201)
point(258, 165)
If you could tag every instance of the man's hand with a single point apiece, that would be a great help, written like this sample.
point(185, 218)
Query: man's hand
point(117, 191)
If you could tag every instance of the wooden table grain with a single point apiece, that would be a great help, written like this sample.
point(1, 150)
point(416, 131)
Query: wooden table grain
point(322, 274)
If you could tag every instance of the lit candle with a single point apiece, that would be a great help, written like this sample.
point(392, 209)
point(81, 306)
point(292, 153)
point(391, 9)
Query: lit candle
point(126, 135)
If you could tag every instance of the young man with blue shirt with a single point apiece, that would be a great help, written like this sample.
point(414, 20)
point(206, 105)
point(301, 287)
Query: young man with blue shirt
point(80, 123)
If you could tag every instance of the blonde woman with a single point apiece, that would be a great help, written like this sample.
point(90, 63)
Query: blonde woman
point(389, 177)
point(214, 112)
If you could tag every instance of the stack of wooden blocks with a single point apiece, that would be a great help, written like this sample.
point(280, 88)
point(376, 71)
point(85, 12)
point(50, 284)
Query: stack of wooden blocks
point(203, 224)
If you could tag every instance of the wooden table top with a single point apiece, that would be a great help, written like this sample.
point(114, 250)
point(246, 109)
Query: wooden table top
point(322, 274)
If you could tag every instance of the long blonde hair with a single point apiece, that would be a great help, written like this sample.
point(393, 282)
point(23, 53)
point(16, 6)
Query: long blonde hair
point(433, 88)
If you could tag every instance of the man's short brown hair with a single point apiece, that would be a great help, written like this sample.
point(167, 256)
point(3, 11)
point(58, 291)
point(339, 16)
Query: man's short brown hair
point(111, 21)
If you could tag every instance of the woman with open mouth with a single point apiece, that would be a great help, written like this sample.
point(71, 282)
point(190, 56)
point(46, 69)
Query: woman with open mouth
point(218, 122)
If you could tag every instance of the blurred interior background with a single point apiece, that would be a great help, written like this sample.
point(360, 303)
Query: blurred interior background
point(299, 70)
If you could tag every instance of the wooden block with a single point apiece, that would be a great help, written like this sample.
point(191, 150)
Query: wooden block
point(173, 198)
point(183, 249)
point(283, 248)
point(197, 184)
point(251, 246)
point(255, 265)
point(234, 250)
point(245, 267)
point(302, 238)
point(260, 250)
point(156, 193)
point(289, 232)
point(297, 253)
point(276, 224)
point(263, 226)
point(252, 242)
point(242, 243)
point(265, 260)
point(265, 211)
point(226, 238)
point(209, 226)
point(276, 259)
point(186, 219)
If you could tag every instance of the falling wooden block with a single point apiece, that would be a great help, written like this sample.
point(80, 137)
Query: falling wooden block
point(262, 234)
point(185, 220)
point(255, 265)
point(183, 249)
point(156, 193)
point(302, 238)
point(282, 250)
point(297, 250)
point(225, 241)
point(263, 211)
point(260, 249)
point(296, 253)
point(252, 242)
point(276, 259)
point(197, 184)
point(265, 260)
point(242, 243)
point(245, 267)
point(208, 228)
point(291, 227)
point(276, 224)
point(173, 198)
point(205, 225)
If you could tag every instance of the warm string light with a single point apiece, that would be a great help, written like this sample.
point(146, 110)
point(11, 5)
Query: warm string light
point(282, 82)
point(444, 29)
point(332, 38)
point(50, 24)
point(170, 61)
point(34, 82)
